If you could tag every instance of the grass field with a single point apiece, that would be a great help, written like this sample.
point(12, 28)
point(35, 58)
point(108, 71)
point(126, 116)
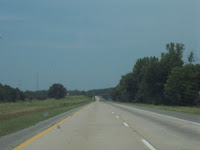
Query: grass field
point(184, 109)
point(19, 115)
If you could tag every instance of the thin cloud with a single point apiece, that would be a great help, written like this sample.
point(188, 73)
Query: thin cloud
point(86, 45)
point(52, 45)
point(10, 18)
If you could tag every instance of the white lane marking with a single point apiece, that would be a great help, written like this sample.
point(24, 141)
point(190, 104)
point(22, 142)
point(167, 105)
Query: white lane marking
point(117, 116)
point(173, 117)
point(125, 124)
point(148, 144)
point(113, 113)
point(167, 116)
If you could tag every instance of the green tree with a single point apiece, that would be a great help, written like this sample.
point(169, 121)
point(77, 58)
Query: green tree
point(9, 94)
point(57, 91)
point(149, 90)
point(127, 88)
point(161, 82)
point(1, 93)
point(138, 74)
point(19, 95)
point(38, 95)
point(191, 58)
point(115, 94)
point(183, 86)
point(171, 59)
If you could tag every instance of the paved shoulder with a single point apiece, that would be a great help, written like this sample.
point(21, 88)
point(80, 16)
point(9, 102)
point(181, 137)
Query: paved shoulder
point(14, 139)
point(161, 130)
point(180, 115)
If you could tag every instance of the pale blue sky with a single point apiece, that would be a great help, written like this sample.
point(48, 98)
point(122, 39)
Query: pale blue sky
point(89, 44)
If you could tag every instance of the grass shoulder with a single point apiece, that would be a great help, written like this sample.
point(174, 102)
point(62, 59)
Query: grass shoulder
point(19, 115)
point(184, 109)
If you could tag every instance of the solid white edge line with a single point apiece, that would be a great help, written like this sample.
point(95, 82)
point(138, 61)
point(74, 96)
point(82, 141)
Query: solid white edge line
point(166, 116)
point(117, 116)
point(148, 144)
point(172, 117)
point(125, 124)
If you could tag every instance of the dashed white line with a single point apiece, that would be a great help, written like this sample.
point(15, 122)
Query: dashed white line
point(166, 116)
point(113, 113)
point(148, 144)
point(117, 116)
point(125, 124)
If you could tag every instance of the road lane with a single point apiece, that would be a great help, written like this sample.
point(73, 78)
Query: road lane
point(116, 127)
point(95, 127)
point(162, 131)
point(174, 114)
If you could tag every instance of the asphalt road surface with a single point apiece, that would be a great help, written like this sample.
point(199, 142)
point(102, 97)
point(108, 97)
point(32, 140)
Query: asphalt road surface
point(104, 126)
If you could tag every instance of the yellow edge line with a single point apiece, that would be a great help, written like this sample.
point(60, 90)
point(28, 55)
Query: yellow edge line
point(47, 130)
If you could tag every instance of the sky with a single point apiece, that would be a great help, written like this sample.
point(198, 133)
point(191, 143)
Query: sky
point(89, 44)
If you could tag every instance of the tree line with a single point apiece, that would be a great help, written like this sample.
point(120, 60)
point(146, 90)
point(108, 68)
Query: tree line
point(101, 92)
point(9, 94)
point(76, 92)
point(166, 81)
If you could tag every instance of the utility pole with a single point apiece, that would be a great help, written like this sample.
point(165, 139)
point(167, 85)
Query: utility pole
point(37, 82)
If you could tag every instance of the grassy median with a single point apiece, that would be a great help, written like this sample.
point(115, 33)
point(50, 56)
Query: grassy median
point(19, 115)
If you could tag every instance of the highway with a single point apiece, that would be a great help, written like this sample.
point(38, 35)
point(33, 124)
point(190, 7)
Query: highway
point(107, 126)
